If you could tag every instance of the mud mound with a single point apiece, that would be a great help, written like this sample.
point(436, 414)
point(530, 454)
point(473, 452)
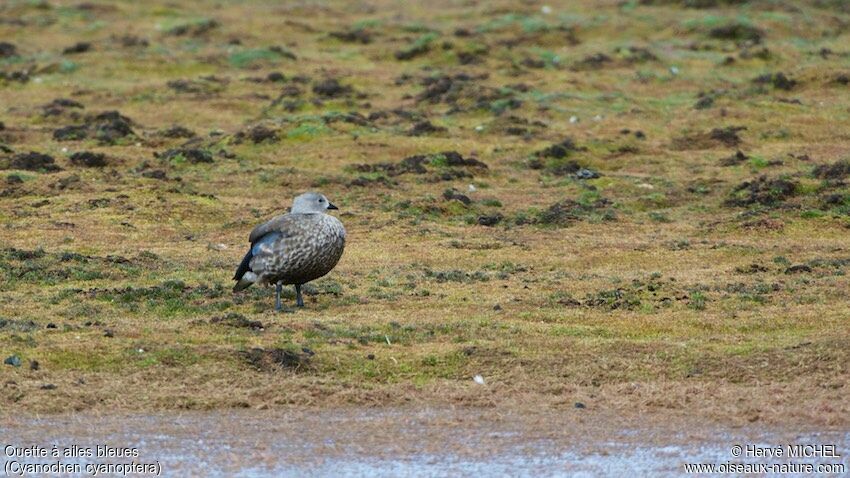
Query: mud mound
point(734, 160)
point(738, 32)
point(89, 159)
point(423, 128)
point(331, 88)
point(640, 294)
point(177, 131)
point(8, 50)
point(762, 191)
point(257, 134)
point(512, 125)
point(266, 360)
point(186, 154)
point(107, 128)
point(60, 106)
point(358, 35)
point(568, 211)
point(837, 170)
point(237, 320)
point(453, 194)
point(490, 220)
point(464, 92)
point(76, 48)
point(559, 150)
point(444, 166)
point(32, 161)
point(776, 80)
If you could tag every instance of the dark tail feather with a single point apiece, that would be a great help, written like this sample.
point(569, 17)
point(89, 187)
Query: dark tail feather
point(245, 266)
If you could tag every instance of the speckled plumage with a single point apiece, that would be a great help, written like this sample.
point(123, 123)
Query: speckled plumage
point(293, 248)
point(308, 247)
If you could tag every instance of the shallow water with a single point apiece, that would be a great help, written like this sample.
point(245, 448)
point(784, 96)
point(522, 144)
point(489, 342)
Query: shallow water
point(405, 442)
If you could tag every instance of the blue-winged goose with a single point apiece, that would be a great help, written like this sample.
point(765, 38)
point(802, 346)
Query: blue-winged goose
point(293, 248)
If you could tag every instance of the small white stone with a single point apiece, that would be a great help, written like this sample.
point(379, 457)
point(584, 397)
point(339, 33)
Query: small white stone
point(141, 351)
point(573, 119)
point(479, 128)
point(472, 188)
point(674, 70)
point(478, 379)
point(64, 149)
point(546, 9)
point(646, 186)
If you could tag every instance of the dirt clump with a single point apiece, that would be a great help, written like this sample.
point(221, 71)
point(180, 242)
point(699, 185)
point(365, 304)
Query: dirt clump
point(738, 32)
point(8, 50)
point(110, 126)
point(453, 194)
point(513, 125)
point(177, 131)
point(837, 170)
point(107, 128)
point(267, 360)
point(447, 165)
point(423, 128)
point(559, 150)
point(652, 291)
point(565, 168)
point(331, 88)
point(237, 320)
point(704, 101)
point(734, 160)
point(777, 80)
point(80, 47)
point(89, 159)
point(568, 211)
point(70, 133)
point(59, 106)
point(191, 155)
point(358, 35)
point(202, 87)
point(762, 191)
point(32, 161)
point(257, 134)
point(465, 92)
point(490, 219)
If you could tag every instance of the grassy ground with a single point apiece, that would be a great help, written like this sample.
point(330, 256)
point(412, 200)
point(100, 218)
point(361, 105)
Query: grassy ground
point(660, 223)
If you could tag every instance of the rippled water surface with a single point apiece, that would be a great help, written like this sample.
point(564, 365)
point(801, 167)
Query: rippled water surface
point(400, 442)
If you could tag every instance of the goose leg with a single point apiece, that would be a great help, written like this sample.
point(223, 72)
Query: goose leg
point(299, 301)
point(278, 290)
